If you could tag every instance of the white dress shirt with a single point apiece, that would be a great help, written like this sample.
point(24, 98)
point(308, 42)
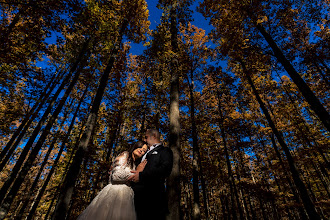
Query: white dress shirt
point(151, 148)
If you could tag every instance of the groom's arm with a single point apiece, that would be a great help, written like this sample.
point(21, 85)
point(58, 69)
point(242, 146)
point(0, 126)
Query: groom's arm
point(162, 171)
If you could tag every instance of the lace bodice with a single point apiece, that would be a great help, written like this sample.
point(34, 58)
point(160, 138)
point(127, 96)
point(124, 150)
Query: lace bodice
point(121, 170)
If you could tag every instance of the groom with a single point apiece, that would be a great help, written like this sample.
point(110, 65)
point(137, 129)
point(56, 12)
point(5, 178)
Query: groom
point(149, 189)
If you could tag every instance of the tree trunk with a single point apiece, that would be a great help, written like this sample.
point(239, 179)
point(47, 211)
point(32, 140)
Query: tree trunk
point(306, 127)
point(205, 196)
point(324, 77)
point(196, 155)
point(42, 190)
point(241, 190)
point(4, 38)
point(56, 194)
point(21, 131)
point(305, 140)
point(232, 186)
point(251, 207)
point(29, 117)
point(313, 101)
point(173, 182)
point(45, 160)
point(144, 114)
point(13, 23)
point(325, 66)
point(63, 202)
point(308, 204)
point(33, 154)
point(110, 144)
point(288, 180)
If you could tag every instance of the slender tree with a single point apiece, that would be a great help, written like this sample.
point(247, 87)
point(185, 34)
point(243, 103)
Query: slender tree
point(308, 204)
point(174, 190)
point(64, 142)
point(33, 154)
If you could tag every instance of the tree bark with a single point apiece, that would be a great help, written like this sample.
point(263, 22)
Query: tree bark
point(307, 131)
point(33, 154)
point(29, 117)
point(232, 186)
point(173, 182)
point(21, 131)
point(324, 77)
point(41, 167)
point(313, 101)
point(196, 155)
point(308, 204)
point(205, 196)
point(63, 202)
point(42, 190)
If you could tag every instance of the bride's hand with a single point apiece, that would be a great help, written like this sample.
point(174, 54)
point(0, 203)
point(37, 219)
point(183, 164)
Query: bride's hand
point(141, 166)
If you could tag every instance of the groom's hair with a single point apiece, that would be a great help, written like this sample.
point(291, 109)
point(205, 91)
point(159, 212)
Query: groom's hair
point(154, 132)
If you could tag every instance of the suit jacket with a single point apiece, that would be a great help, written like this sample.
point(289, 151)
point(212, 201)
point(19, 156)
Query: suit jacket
point(149, 192)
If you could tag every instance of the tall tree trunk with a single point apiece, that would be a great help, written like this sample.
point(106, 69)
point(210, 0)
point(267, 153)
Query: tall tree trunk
point(21, 131)
point(144, 107)
point(63, 202)
point(308, 131)
point(251, 206)
point(232, 186)
point(205, 196)
point(67, 166)
point(264, 179)
point(322, 179)
point(173, 182)
point(66, 169)
point(308, 204)
point(302, 211)
point(324, 77)
point(196, 155)
point(29, 117)
point(4, 38)
point(305, 140)
point(244, 203)
point(34, 152)
point(43, 188)
point(325, 66)
point(45, 160)
point(313, 101)
point(292, 187)
point(241, 190)
point(113, 135)
point(293, 191)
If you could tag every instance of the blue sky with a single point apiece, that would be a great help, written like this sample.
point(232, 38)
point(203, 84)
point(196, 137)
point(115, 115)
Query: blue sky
point(154, 17)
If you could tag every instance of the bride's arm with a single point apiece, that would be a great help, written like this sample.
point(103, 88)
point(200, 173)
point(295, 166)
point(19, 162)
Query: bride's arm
point(118, 173)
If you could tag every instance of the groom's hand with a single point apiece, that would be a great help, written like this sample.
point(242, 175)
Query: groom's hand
point(134, 177)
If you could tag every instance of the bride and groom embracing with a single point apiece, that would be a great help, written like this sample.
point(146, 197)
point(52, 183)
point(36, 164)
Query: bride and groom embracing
point(136, 189)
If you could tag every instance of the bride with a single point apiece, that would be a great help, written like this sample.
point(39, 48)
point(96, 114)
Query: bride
point(116, 200)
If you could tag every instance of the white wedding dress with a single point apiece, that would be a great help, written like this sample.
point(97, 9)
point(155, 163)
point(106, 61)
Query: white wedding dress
point(116, 200)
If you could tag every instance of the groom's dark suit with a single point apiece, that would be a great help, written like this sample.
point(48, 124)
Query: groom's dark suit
point(149, 193)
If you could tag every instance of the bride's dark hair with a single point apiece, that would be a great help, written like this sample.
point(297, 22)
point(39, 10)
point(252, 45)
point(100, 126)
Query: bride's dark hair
point(134, 146)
